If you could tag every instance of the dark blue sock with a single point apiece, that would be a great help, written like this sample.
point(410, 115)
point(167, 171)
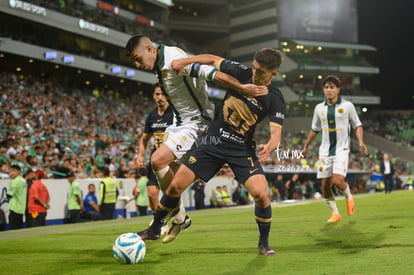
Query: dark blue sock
point(167, 204)
point(263, 220)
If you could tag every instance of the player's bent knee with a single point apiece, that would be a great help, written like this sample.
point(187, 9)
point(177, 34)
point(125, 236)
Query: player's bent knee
point(261, 199)
point(174, 190)
point(157, 163)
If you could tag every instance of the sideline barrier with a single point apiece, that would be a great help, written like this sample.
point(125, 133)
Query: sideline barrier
point(58, 190)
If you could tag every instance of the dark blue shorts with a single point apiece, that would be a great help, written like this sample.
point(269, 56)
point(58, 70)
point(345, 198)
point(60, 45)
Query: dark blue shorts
point(152, 179)
point(207, 159)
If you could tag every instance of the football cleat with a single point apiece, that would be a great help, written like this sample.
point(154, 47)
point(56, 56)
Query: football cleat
point(171, 214)
point(334, 218)
point(265, 250)
point(350, 207)
point(164, 230)
point(147, 234)
point(176, 229)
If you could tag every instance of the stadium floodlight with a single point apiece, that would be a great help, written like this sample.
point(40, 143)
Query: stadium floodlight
point(67, 59)
point(115, 70)
point(50, 55)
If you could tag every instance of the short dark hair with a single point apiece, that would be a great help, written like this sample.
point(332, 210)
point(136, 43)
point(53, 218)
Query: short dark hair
point(16, 167)
point(270, 58)
point(156, 85)
point(332, 79)
point(142, 171)
point(132, 43)
point(105, 171)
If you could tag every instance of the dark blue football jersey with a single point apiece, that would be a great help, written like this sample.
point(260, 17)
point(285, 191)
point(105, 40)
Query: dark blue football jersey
point(238, 115)
point(157, 124)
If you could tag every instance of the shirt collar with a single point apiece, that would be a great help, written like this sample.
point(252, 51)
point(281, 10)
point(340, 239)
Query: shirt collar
point(337, 102)
point(160, 58)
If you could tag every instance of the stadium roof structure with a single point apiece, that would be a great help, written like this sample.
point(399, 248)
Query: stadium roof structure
point(336, 45)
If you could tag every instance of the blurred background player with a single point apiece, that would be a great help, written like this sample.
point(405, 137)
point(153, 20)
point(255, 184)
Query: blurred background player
point(334, 117)
point(155, 124)
point(187, 96)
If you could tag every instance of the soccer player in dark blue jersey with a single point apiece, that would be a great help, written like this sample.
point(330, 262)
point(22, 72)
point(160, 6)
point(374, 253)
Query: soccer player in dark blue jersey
point(155, 124)
point(230, 140)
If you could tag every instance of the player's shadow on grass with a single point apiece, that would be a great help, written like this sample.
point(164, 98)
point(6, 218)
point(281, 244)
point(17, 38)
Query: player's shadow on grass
point(347, 240)
point(253, 267)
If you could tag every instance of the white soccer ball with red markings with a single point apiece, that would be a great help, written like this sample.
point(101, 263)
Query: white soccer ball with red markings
point(129, 248)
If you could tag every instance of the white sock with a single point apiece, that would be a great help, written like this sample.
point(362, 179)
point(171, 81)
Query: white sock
point(331, 203)
point(180, 217)
point(347, 192)
point(163, 181)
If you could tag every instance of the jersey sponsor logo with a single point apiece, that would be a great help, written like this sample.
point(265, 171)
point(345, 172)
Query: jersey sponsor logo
point(162, 125)
point(192, 160)
point(229, 136)
point(280, 115)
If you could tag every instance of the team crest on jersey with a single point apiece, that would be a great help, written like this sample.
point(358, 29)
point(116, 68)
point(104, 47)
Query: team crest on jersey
point(165, 74)
point(192, 160)
point(341, 111)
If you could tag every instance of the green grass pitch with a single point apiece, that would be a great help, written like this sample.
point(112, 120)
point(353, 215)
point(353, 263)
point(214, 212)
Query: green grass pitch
point(378, 239)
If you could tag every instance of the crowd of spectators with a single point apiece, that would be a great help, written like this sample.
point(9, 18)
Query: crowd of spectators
point(43, 126)
point(395, 126)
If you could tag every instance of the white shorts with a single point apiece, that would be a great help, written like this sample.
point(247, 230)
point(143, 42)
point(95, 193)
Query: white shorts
point(181, 139)
point(327, 166)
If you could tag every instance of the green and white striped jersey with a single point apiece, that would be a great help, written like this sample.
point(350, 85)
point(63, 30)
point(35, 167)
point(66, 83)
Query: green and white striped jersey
point(335, 122)
point(186, 93)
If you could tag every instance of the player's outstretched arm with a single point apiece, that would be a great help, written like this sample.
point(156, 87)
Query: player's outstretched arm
point(221, 78)
point(249, 90)
point(178, 65)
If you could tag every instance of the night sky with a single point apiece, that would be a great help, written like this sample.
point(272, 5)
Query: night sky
point(389, 27)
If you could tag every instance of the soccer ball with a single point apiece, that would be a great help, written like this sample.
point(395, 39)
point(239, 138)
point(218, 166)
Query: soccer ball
point(129, 248)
